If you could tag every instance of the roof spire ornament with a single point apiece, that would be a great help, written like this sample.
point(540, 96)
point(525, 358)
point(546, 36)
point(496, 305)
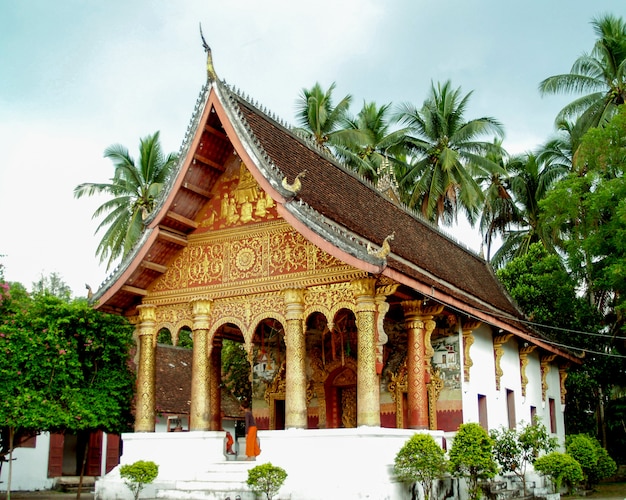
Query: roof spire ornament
point(295, 187)
point(210, 70)
point(383, 251)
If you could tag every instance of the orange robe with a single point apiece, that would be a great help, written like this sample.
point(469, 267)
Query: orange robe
point(253, 449)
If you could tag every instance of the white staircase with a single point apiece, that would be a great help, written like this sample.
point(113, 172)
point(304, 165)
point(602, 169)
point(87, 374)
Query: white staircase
point(223, 480)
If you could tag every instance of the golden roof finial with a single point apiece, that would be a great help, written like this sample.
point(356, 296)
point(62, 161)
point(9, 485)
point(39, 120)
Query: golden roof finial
point(210, 70)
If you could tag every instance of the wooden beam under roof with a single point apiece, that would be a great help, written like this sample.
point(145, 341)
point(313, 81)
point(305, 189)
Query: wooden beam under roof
point(153, 266)
point(182, 219)
point(207, 161)
point(219, 133)
point(177, 239)
point(134, 290)
point(194, 188)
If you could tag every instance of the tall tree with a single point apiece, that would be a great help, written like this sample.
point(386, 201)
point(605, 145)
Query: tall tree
point(134, 189)
point(602, 73)
point(321, 119)
point(376, 141)
point(449, 155)
point(499, 209)
point(530, 181)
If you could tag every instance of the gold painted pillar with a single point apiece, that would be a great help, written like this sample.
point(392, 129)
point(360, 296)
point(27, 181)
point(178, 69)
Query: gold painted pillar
point(145, 412)
point(420, 325)
point(199, 415)
point(295, 374)
point(215, 383)
point(368, 385)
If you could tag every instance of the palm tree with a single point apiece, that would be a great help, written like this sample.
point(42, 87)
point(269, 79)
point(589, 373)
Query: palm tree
point(499, 209)
point(376, 141)
point(321, 120)
point(134, 189)
point(530, 180)
point(602, 73)
point(448, 155)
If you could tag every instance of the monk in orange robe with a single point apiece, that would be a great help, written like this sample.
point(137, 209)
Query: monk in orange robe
point(253, 449)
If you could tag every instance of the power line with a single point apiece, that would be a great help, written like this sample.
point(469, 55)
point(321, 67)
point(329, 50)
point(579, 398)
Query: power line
point(547, 341)
point(611, 355)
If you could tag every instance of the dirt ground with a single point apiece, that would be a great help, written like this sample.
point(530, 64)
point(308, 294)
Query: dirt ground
point(605, 491)
point(44, 495)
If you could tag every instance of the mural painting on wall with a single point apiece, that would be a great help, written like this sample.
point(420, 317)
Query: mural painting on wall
point(447, 361)
point(268, 356)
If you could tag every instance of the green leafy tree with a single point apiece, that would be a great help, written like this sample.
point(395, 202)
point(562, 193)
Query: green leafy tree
point(266, 479)
point(560, 468)
point(471, 457)
point(602, 73)
point(449, 155)
point(52, 284)
point(236, 370)
point(594, 460)
point(134, 189)
point(548, 294)
point(421, 460)
point(138, 474)
point(64, 367)
point(514, 450)
point(588, 209)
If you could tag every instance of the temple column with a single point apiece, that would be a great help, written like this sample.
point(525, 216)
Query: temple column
point(145, 413)
point(199, 412)
point(368, 385)
point(420, 325)
point(295, 374)
point(215, 382)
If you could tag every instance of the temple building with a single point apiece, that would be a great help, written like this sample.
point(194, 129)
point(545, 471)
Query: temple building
point(362, 322)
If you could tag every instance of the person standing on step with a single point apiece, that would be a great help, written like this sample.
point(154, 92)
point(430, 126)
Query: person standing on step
point(253, 449)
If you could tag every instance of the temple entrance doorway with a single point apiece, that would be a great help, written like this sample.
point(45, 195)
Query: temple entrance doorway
point(341, 397)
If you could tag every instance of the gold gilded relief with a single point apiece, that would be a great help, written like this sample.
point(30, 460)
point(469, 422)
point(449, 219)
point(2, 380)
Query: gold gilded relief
point(290, 253)
point(523, 363)
point(205, 264)
point(545, 369)
point(238, 200)
point(248, 311)
point(270, 252)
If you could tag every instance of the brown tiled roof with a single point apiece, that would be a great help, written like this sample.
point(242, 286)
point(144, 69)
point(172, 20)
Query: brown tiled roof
point(354, 204)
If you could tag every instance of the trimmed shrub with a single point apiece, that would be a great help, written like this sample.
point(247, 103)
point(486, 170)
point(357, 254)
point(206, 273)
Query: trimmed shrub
point(471, 457)
point(421, 460)
point(266, 478)
point(594, 460)
point(561, 469)
point(138, 474)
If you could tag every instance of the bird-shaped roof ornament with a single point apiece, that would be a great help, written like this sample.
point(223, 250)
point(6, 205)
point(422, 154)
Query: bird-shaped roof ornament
point(210, 70)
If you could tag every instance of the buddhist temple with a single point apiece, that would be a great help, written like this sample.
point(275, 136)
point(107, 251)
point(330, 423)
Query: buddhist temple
point(362, 322)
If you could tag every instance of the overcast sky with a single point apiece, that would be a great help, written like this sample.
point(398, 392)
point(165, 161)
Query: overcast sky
point(77, 76)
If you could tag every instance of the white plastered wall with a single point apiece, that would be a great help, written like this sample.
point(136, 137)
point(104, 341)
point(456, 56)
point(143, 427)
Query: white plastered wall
point(483, 381)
